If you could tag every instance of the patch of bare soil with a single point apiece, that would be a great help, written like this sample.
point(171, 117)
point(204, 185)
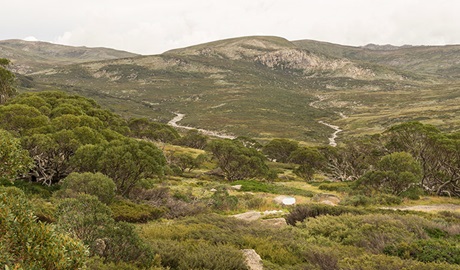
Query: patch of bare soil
point(429, 208)
point(263, 217)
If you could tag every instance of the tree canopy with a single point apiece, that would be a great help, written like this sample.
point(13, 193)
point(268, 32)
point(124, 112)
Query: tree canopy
point(13, 159)
point(395, 173)
point(126, 161)
point(28, 244)
point(7, 79)
point(280, 149)
point(237, 161)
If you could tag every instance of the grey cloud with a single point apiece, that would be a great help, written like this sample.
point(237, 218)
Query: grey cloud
point(150, 27)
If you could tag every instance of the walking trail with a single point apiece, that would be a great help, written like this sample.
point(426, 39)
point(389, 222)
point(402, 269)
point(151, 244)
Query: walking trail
point(337, 130)
point(180, 116)
point(334, 135)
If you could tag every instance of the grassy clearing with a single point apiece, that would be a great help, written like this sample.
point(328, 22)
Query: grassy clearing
point(275, 188)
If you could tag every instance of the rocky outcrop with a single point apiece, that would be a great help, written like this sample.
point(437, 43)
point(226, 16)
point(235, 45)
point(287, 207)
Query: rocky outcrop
point(244, 48)
point(252, 259)
point(311, 64)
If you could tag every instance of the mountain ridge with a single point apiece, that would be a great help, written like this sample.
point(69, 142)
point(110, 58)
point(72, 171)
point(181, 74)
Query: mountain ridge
point(263, 87)
point(30, 56)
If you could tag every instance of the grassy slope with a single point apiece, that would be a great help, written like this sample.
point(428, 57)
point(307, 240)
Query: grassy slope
point(222, 86)
point(31, 56)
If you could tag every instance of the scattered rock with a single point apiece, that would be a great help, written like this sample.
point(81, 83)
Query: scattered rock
point(255, 215)
point(237, 187)
point(252, 259)
point(325, 198)
point(213, 190)
point(285, 200)
point(275, 222)
point(249, 216)
point(272, 212)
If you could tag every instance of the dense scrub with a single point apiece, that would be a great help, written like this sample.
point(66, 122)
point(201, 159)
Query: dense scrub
point(102, 187)
point(324, 242)
point(28, 244)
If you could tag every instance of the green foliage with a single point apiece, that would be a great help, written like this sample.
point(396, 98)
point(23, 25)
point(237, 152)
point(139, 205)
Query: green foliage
point(303, 211)
point(53, 125)
point(255, 186)
point(193, 139)
point(222, 201)
point(305, 171)
point(437, 153)
point(356, 200)
point(260, 186)
point(126, 161)
point(351, 160)
point(375, 232)
point(198, 255)
point(28, 244)
point(376, 199)
point(174, 205)
point(251, 201)
point(218, 233)
point(91, 221)
point(395, 173)
point(371, 262)
point(309, 160)
point(31, 188)
point(427, 250)
point(236, 161)
point(84, 216)
point(95, 184)
point(20, 118)
point(13, 159)
point(122, 243)
point(307, 155)
point(184, 161)
point(123, 210)
point(97, 263)
point(146, 129)
point(280, 149)
point(249, 142)
point(7, 80)
point(336, 186)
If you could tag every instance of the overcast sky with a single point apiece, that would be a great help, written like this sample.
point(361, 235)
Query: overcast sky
point(155, 26)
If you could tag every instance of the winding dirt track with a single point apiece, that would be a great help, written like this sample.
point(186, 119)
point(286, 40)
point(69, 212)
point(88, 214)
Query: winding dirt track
point(180, 116)
point(334, 135)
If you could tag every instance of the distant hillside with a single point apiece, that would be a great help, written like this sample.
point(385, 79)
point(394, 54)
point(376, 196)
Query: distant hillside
point(267, 87)
point(440, 61)
point(31, 56)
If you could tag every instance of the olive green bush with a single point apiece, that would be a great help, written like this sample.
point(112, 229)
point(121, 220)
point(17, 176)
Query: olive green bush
point(126, 161)
point(28, 244)
point(382, 262)
point(427, 250)
point(303, 211)
point(237, 161)
point(95, 184)
point(189, 254)
point(123, 210)
point(375, 233)
point(13, 159)
point(91, 221)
